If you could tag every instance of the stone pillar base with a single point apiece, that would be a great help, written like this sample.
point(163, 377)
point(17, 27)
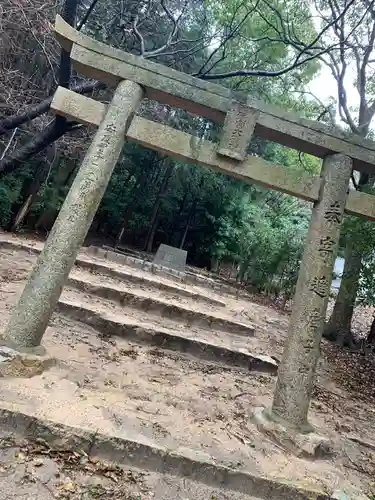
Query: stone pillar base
point(14, 363)
point(303, 443)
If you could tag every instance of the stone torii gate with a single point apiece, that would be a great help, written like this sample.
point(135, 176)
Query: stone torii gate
point(135, 78)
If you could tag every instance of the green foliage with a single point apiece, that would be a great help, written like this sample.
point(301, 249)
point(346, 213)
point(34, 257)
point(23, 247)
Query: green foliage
point(9, 191)
point(6, 196)
point(265, 236)
point(257, 45)
point(214, 216)
point(362, 234)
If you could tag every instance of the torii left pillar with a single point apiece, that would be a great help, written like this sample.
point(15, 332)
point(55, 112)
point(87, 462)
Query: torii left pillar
point(31, 315)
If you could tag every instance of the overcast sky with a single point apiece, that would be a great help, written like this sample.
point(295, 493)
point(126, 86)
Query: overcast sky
point(324, 86)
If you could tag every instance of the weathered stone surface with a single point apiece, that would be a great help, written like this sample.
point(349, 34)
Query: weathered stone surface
point(19, 364)
point(91, 112)
point(307, 444)
point(237, 131)
point(38, 300)
point(68, 36)
point(181, 145)
point(199, 348)
point(171, 91)
point(363, 442)
point(129, 450)
point(361, 204)
point(301, 350)
point(97, 60)
point(164, 308)
point(348, 495)
point(171, 257)
point(187, 147)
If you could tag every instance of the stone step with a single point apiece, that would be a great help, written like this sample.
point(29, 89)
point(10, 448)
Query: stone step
point(163, 403)
point(10, 244)
point(133, 451)
point(104, 267)
point(88, 480)
point(181, 277)
point(112, 325)
point(155, 306)
point(128, 277)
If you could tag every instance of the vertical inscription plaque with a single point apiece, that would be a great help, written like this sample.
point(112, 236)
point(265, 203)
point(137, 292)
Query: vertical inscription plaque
point(237, 131)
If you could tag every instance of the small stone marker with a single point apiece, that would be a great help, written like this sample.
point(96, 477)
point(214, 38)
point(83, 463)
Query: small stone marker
point(171, 257)
point(238, 129)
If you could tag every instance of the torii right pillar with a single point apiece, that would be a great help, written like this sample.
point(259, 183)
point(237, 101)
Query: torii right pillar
point(302, 347)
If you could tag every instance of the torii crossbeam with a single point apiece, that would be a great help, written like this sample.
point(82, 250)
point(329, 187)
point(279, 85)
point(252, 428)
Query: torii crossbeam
point(136, 78)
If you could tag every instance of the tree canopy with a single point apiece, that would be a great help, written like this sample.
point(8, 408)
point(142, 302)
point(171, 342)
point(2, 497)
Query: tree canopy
point(271, 49)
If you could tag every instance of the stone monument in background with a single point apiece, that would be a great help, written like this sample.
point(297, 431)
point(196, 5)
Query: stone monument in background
point(134, 79)
point(171, 257)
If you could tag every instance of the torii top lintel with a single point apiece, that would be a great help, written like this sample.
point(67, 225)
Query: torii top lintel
point(109, 65)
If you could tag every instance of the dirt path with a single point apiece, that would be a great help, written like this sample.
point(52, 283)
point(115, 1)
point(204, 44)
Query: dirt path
point(127, 388)
point(36, 471)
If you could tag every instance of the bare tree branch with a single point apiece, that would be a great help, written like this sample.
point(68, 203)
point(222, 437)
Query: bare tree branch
point(60, 124)
point(170, 37)
point(248, 72)
point(311, 50)
point(338, 67)
point(35, 146)
point(13, 121)
point(86, 16)
point(364, 110)
point(326, 109)
point(233, 31)
point(138, 35)
point(9, 144)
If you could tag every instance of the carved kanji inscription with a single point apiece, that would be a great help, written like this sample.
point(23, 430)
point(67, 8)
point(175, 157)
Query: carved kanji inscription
point(238, 129)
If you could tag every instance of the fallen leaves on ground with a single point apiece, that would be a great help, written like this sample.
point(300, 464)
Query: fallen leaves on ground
point(353, 371)
point(77, 464)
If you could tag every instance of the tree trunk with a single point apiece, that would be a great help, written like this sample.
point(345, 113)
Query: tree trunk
point(31, 187)
point(70, 176)
point(128, 214)
point(371, 336)
point(233, 270)
point(46, 220)
point(60, 124)
point(188, 222)
point(63, 172)
point(242, 270)
point(177, 219)
point(138, 190)
point(36, 145)
point(184, 235)
point(29, 191)
point(140, 186)
point(14, 121)
point(154, 228)
point(339, 325)
point(154, 216)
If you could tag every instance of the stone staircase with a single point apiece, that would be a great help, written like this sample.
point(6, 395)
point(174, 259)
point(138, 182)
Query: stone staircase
point(158, 373)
